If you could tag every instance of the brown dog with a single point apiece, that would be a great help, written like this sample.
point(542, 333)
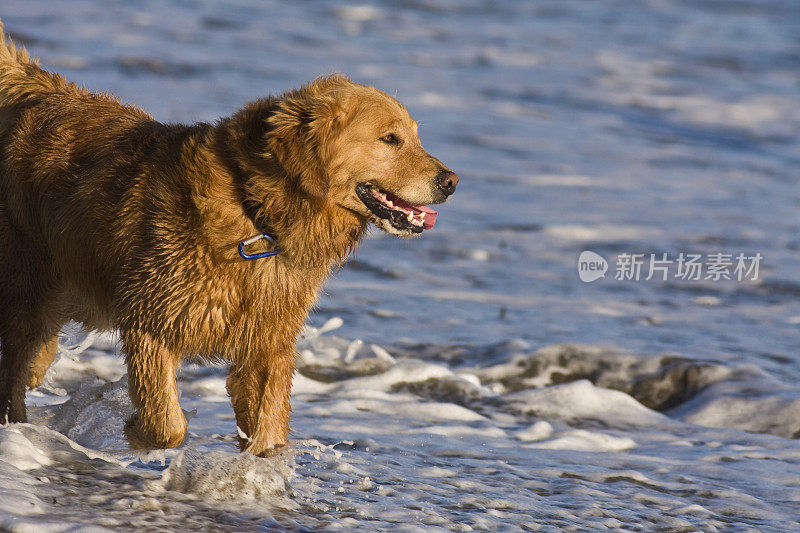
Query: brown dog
point(112, 219)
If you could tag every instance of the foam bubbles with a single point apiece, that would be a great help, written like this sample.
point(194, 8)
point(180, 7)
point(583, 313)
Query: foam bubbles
point(234, 477)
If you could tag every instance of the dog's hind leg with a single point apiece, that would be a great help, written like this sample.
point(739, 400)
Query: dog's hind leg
point(27, 323)
point(158, 421)
point(41, 362)
point(260, 387)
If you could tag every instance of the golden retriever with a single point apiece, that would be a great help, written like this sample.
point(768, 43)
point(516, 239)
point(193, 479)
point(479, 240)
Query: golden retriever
point(202, 239)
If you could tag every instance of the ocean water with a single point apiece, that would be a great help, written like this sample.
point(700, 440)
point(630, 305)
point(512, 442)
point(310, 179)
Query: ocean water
point(468, 379)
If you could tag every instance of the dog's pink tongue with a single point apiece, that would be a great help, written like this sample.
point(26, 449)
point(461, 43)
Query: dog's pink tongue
point(430, 216)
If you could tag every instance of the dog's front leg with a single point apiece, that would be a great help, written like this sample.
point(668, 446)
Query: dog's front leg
point(158, 421)
point(260, 384)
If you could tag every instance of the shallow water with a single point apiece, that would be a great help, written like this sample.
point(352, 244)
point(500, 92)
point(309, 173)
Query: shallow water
point(617, 127)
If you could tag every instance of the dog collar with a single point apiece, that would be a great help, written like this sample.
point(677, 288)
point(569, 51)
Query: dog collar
point(265, 234)
point(255, 238)
point(251, 210)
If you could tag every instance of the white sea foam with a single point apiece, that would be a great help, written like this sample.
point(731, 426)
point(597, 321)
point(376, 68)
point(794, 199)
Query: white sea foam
point(581, 400)
point(358, 436)
point(234, 477)
point(601, 232)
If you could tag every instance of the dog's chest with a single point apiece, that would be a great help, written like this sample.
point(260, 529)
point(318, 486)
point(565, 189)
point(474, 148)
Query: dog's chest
point(237, 300)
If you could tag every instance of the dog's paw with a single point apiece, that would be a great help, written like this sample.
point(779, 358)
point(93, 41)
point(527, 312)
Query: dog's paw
point(36, 378)
point(141, 437)
point(271, 452)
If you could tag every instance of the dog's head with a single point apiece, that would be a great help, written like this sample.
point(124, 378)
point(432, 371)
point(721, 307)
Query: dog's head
point(358, 147)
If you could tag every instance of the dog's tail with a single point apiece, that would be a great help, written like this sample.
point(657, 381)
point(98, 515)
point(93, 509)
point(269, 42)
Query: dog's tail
point(21, 78)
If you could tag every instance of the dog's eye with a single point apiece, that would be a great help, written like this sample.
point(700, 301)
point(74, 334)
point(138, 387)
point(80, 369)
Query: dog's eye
point(390, 138)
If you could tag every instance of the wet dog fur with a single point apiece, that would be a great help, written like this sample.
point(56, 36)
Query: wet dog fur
point(115, 220)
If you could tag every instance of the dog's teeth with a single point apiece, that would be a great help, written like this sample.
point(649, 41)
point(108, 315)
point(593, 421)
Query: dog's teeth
point(389, 203)
point(410, 217)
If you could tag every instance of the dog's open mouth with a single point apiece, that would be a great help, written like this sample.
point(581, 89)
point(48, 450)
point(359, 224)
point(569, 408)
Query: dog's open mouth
point(402, 215)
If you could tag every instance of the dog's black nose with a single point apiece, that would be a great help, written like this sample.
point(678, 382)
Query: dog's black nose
point(447, 181)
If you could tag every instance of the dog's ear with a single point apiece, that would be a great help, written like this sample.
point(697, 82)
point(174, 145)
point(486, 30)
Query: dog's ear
point(300, 134)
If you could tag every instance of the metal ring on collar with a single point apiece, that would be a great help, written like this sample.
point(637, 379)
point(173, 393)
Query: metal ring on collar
point(259, 255)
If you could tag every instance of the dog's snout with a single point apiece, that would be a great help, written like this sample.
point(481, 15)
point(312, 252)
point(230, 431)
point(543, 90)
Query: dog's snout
point(447, 181)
